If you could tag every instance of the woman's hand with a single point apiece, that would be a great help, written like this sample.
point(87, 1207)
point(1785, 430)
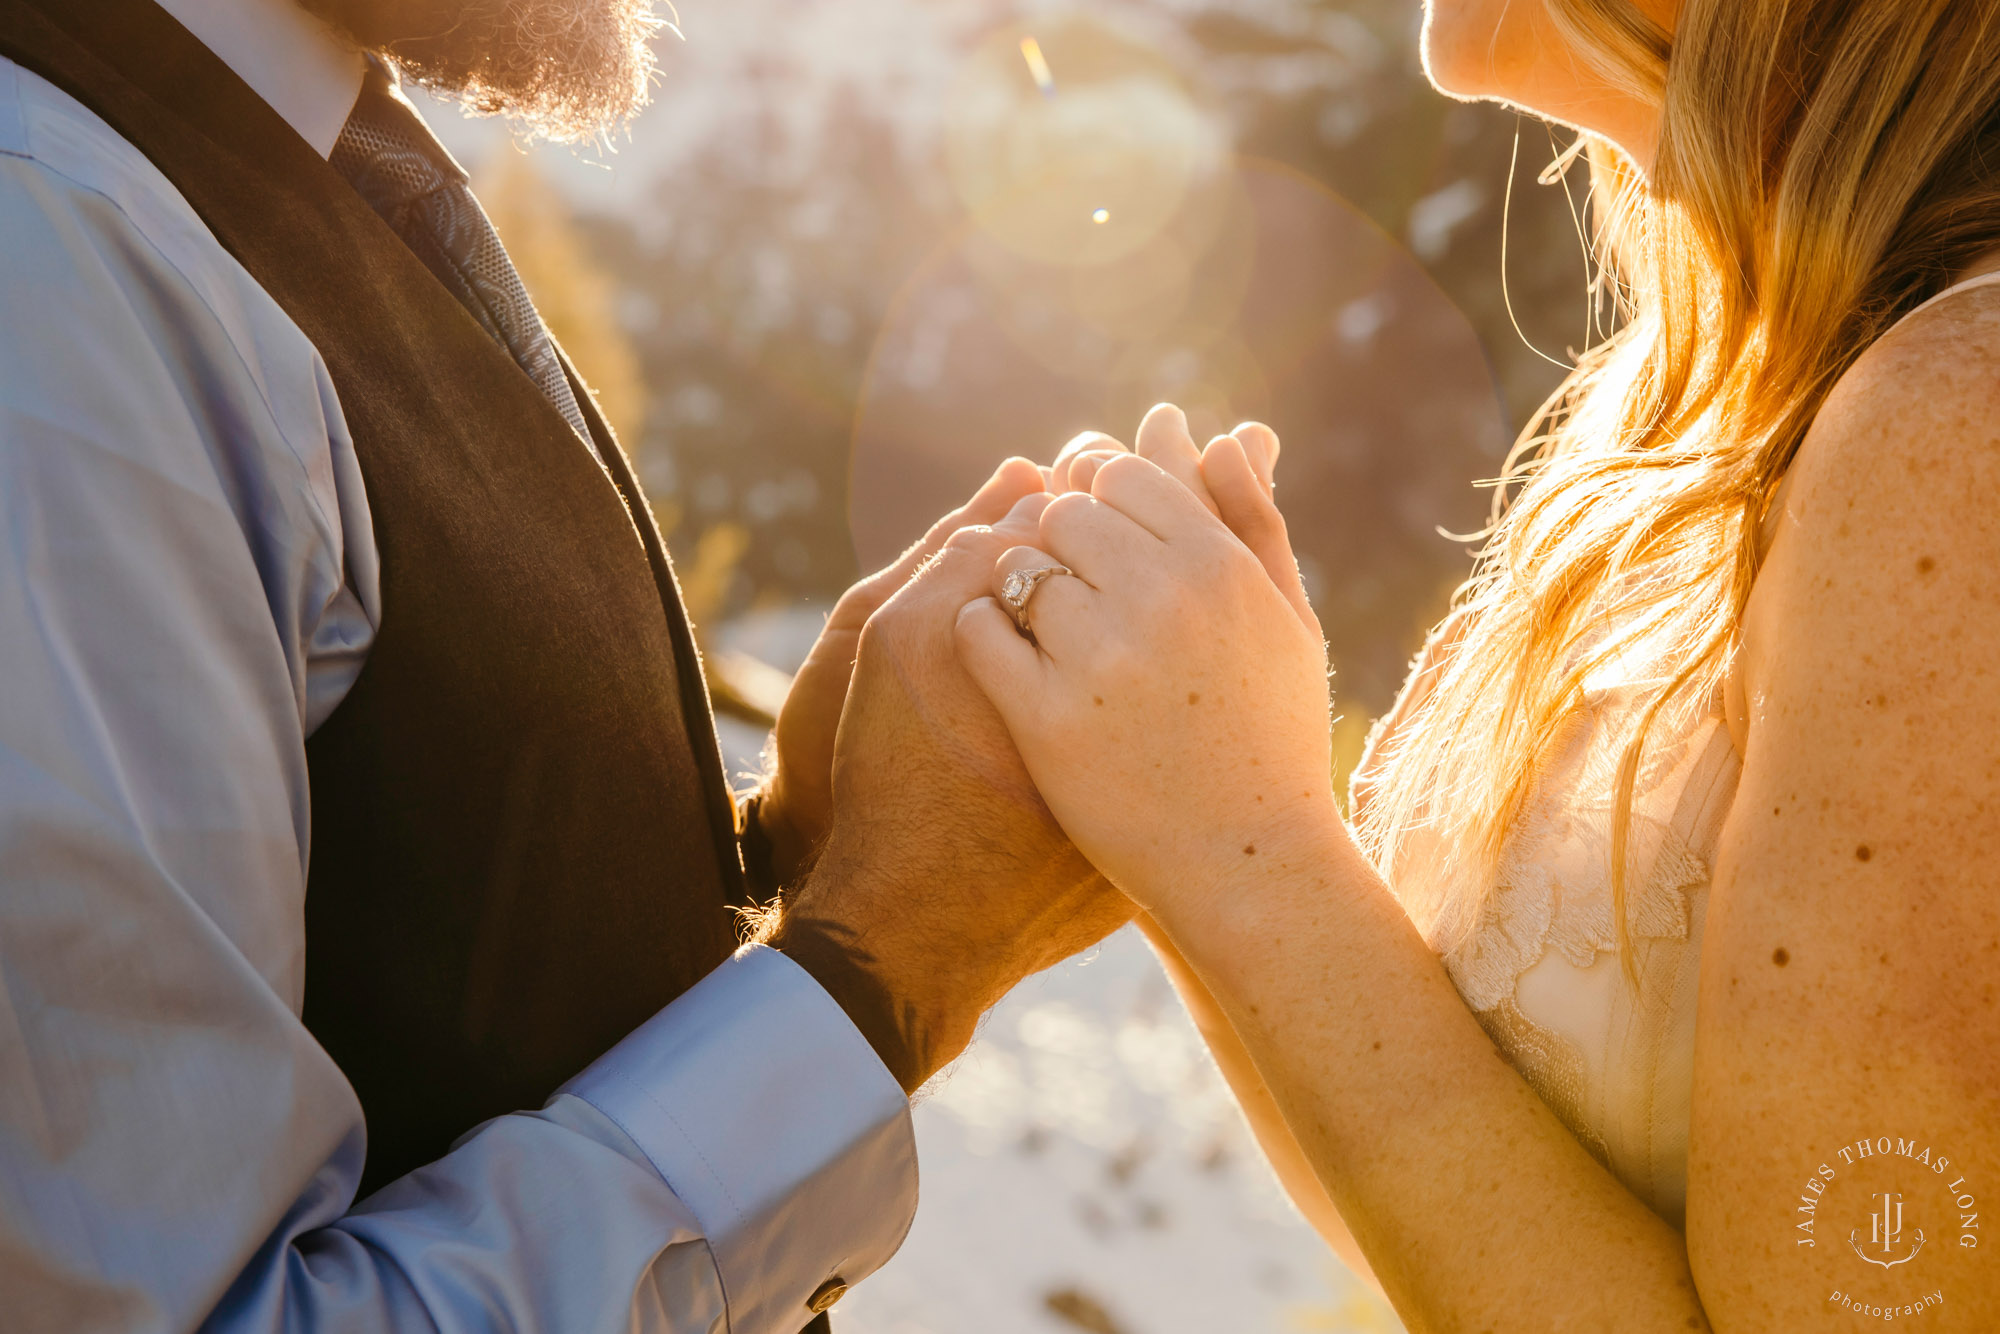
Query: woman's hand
point(1234, 477)
point(1172, 704)
point(1164, 439)
point(797, 798)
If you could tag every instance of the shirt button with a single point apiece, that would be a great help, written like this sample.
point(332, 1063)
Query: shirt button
point(826, 1294)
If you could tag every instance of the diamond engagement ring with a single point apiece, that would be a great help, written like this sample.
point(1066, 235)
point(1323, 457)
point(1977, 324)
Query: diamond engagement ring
point(1020, 585)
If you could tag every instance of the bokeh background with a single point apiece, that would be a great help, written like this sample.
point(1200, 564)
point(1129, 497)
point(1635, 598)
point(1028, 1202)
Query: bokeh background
point(857, 253)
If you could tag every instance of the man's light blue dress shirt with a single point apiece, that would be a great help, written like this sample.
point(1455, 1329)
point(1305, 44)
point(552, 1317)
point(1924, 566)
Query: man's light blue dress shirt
point(187, 589)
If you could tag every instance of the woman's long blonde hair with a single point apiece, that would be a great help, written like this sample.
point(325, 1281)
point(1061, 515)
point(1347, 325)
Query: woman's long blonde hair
point(1823, 166)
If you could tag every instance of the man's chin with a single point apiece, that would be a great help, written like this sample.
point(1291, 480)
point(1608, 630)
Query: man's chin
point(567, 70)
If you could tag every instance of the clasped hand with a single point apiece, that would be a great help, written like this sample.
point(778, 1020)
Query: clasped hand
point(1171, 702)
point(1166, 722)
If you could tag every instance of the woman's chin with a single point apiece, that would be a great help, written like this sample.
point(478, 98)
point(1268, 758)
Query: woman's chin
point(1468, 64)
point(1458, 48)
point(1458, 68)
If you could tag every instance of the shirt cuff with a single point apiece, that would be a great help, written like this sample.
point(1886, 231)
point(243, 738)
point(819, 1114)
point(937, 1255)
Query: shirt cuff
point(774, 1122)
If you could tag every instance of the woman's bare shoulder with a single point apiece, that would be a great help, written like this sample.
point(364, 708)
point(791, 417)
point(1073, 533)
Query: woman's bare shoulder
point(1908, 442)
point(1883, 549)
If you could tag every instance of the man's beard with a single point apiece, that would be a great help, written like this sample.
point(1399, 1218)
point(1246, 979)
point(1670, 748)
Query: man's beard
point(563, 69)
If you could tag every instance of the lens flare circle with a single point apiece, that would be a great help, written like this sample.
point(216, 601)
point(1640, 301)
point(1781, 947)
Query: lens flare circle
point(1048, 136)
point(1266, 296)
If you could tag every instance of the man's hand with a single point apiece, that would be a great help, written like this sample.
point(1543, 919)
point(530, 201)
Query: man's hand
point(797, 802)
point(944, 880)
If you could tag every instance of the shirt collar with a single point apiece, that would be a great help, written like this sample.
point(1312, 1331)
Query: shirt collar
point(307, 72)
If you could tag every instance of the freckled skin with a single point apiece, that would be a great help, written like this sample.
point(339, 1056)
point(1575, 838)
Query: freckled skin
point(1315, 966)
point(1849, 957)
point(1850, 964)
point(1867, 699)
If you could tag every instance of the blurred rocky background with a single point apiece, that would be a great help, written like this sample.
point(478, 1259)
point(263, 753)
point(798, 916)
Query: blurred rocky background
point(854, 255)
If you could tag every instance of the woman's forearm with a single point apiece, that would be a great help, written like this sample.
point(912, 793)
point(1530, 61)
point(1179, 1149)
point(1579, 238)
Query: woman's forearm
point(1288, 1161)
point(1474, 1205)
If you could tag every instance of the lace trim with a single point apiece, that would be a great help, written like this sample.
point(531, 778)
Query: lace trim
point(1553, 1067)
point(1553, 889)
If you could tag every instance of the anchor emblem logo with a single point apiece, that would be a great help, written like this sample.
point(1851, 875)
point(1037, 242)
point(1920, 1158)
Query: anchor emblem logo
point(1885, 1234)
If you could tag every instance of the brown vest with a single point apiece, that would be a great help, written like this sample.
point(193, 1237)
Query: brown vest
point(522, 844)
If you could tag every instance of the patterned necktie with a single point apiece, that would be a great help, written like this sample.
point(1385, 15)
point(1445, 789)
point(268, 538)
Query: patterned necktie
point(405, 174)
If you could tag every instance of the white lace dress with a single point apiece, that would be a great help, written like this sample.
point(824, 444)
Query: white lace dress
point(1542, 973)
point(1541, 970)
